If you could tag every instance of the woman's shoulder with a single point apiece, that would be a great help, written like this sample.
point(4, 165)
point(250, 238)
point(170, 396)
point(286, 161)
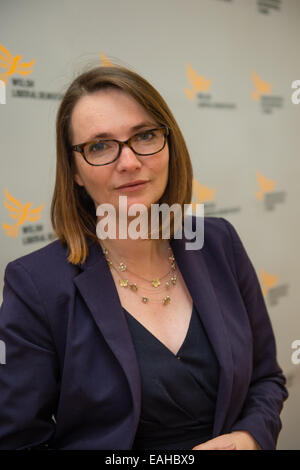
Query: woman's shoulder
point(55, 251)
point(213, 230)
point(217, 225)
point(46, 262)
point(221, 230)
point(219, 239)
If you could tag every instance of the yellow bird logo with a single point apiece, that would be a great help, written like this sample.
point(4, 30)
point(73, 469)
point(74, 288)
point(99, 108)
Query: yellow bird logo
point(268, 281)
point(262, 87)
point(13, 65)
point(266, 185)
point(105, 62)
point(202, 194)
point(197, 82)
point(20, 212)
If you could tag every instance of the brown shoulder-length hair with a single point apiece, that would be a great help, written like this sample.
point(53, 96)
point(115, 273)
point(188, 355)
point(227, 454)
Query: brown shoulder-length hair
point(73, 213)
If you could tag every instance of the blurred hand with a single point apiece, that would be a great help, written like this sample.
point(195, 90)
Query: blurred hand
point(236, 440)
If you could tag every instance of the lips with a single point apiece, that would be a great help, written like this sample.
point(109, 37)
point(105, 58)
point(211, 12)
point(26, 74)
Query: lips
point(133, 183)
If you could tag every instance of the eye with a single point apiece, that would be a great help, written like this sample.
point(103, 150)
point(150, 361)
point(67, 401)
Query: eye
point(97, 147)
point(145, 136)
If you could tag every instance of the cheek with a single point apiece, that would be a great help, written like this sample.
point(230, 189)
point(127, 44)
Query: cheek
point(95, 186)
point(160, 163)
point(161, 171)
point(89, 177)
point(79, 172)
point(164, 165)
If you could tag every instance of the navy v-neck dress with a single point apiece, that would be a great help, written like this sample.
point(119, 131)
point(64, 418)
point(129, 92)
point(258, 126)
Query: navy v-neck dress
point(178, 391)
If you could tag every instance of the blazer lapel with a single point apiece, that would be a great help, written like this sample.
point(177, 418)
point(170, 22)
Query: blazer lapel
point(196, 275)
point(97, 287)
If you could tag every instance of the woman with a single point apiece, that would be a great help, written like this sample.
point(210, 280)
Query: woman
point(124, 343)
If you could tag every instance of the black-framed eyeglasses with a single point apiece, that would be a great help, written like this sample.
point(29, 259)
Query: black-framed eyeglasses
point(99, 152)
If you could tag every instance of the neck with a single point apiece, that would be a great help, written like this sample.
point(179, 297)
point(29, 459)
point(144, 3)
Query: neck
point(142, 255)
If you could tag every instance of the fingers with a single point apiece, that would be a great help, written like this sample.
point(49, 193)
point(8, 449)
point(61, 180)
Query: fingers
point(215, 446)
point(230, 447)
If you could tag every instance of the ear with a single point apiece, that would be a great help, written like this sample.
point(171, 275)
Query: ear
point(78, 179)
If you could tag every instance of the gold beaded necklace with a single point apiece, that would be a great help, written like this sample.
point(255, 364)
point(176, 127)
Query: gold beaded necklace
point(155, 283)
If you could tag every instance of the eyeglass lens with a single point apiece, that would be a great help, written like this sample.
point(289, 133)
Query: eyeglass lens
point(143, 143)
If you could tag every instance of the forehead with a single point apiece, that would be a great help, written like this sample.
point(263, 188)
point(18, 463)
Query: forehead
point(110, 111)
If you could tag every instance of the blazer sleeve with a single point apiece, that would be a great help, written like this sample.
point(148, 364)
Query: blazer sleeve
point(29, 376)
point(267, 392)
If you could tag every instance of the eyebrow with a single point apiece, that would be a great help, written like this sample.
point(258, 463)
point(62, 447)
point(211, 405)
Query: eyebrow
point(142, 125)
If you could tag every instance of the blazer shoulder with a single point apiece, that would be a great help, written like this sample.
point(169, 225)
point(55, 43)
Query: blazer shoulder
point(54, 250)
point(48, 261)
point(217, 230)
point(217, 226)
point(220, 240)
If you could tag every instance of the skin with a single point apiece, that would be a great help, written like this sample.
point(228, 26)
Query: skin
point(116, 113)
point(236, 440)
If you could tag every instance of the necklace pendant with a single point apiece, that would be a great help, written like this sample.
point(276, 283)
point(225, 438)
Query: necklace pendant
point(122, 267)
point(174, 279)
point(123, 282)
point(156, 282)
point(133, 287)
point(167, 284)
point(145, 300)
point(166, 300)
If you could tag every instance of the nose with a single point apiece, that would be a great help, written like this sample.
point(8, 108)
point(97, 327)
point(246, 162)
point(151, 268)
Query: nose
point(128, 160)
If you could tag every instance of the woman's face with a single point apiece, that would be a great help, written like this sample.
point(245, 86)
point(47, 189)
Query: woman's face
point(116, 114)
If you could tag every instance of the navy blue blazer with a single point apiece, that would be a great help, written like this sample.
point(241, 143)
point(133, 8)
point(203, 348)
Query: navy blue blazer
point(71, 375)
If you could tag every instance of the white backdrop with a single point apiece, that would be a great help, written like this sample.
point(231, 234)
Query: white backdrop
point(225, 67)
